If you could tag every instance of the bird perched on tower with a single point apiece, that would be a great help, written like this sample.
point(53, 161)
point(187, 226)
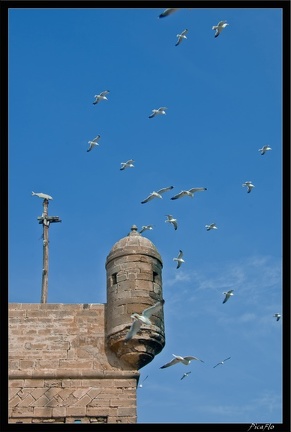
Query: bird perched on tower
point(42, 195)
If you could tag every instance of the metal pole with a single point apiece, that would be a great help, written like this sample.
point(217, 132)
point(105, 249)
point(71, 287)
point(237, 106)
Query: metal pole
point(44, 288)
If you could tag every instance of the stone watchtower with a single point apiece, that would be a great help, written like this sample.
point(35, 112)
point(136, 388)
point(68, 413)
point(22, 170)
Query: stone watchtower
point(69, 363)
point(134, 282)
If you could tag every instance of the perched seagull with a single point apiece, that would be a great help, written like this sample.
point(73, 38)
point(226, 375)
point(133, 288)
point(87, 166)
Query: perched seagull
point(185, 375)
point(179, 259)
point(143, 318)
point(211, 226)
point(94, 142)
point(100, 97)
point(168, 12)
point(172, 221)
point(161, 110)
point(219, 27)
point(157, 194)
point(42, 195)
point(181, 36)
point(179, 359)
point(128, 164)
point(277, 315)
point(222, 362)
point(140, 385)
point(189, 192)
point(227, 294)
point(264, 149)
point(249, 186)
point(146, 227)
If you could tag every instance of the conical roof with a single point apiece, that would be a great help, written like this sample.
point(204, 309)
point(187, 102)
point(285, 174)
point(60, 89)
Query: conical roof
point(133, 243)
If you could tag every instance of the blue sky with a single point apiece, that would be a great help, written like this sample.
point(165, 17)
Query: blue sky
point(224, 100)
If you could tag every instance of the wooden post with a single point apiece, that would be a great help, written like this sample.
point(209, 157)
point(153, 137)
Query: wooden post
point(46, 220)
point(45, 224)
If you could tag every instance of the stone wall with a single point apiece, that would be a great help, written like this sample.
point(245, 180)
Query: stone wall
point(60, 369)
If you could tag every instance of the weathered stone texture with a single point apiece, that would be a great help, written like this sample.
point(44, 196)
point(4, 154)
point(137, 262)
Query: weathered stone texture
point(59, 370)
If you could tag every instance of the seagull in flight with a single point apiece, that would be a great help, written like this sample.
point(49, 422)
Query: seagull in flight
point(128, 164)
point(100, 97)
point(222, 362)
point(264, 149)
point(189, 192)
point(146, 227)
point(228, 294)
point(277, 316)
point(157, 194)
point(219, 27)
point(42, 195)
point(143, 318)
point(179, 359)
point(161, 110)
point(168, 12)
point(211, 226)
point(249, 186)
point(140, 385)
point(179, 259)
point(181, 36)
point(172, 220)
point(94, 142)
point(185, 375)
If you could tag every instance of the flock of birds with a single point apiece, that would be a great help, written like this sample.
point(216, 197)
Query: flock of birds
point(145, 317)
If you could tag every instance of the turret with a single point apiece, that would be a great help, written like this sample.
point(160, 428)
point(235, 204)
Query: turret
point(134, 282)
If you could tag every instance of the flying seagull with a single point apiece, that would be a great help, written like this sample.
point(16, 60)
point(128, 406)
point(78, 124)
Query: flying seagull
point(227, 294)
point(42, 195)
point(94, 142)
point(181, 36)
point(143, 318)
point(179, 259)
point(156, 194)
point(264, 149)
point(168, 12)
point(185, 375)
point(172, 220)
point(277, 316)
point(179, 359)
point(161, 110)
point(189, 192)
point(219, 27)
point(100, 97)
point(140, 385)
point(211, 226)
point(128, 164)
point(249, 186)
point(146, 227)
point(222, 362)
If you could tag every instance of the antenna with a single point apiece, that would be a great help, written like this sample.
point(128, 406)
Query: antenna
point(46, 220)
